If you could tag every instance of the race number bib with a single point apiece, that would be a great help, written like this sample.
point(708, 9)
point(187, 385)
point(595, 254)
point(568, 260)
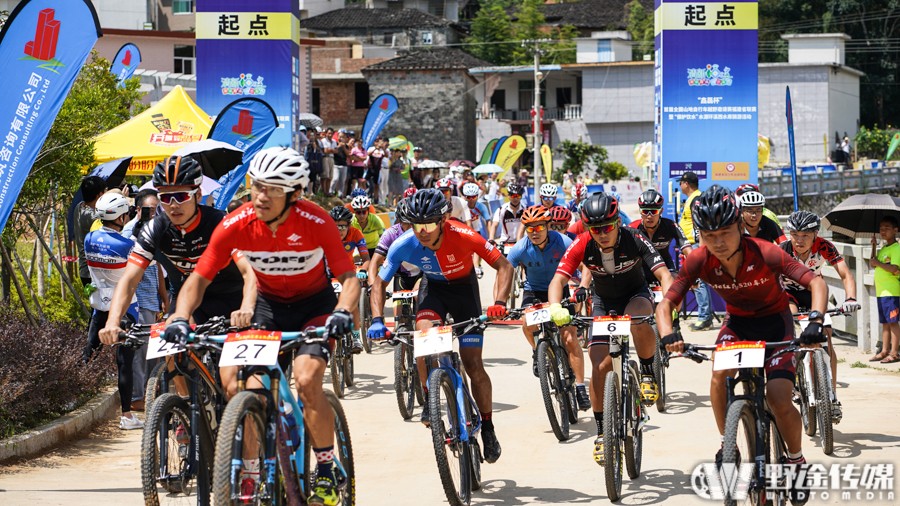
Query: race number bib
point(405, 294)
point(433, 341)
point(337, 286)
point(611, 326)
point(657, 294)
point(537, 314)
point(739, 355)
point(157, 346)
point(251, 347)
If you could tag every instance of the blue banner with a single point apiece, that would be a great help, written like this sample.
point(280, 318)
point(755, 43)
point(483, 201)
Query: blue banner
point(125, 63)
point(383, 107)
point(43, 46)
point(246, 123)
point(497, 147)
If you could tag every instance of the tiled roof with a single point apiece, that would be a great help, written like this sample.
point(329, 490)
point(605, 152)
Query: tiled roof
point(439, 58)
point(360, 18)
point(600, 14)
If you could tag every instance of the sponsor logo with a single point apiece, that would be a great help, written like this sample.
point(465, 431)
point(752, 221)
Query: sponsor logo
point(710, 75)
point(237, 217)
point(293, 238)
point(46, 37)
point(750, 267)
point(244, 84)
point(310, 217)
point(288, 263)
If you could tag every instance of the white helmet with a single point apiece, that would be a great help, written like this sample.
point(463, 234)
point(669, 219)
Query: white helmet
point(549, 191)
point(471, 190)
point(752, 199)
point(111, 206)
point(360, 202)
point(279, 166)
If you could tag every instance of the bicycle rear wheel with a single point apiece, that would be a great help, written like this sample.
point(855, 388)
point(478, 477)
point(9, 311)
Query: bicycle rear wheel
point(553, 391)
point(634, 437)
point(739, 447)
point(155, 386)
point(806, 392)
point(243, 419)
point(776, 454)
point(404, 378)
point(337, 368)
point(451, 454)
point(365, 314)
point(349, 369)
point(823, 402)
point(659, 370)
point(343, 454)
point(612, 439)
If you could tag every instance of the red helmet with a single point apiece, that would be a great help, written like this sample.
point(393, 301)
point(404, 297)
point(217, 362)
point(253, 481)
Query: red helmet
point(444, 184)
point(744, 188)
point(409, 192)
point(580, 191)
point(560, 213)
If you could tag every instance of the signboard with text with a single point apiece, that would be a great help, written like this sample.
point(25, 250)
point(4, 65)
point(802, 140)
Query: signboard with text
point(706, 89)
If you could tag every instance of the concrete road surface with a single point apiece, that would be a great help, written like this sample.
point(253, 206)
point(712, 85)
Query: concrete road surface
point(395, 461)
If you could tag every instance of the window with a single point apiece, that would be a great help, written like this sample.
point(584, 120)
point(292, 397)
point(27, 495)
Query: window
point(361, 94)
point(389, 39)
point(184, 59)
point(315, 102)
point(563, 96)
point(182, 6)
point(426, 38)
point(604, 51)
point(526, 94)
point(498, 100)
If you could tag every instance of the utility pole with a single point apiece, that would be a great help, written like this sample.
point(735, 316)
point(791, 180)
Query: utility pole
point(536, 122)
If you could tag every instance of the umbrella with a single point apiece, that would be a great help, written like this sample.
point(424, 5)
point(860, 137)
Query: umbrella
point(432, 164)
point(859, 216)
point(488, 168)
point(206, 187)
point(216, 157)
point(463, 163)
point(399, 142)
point(114, 174)
point(309, 120)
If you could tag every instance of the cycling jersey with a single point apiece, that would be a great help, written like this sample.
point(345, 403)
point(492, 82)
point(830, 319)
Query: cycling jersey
point(756, 290)
point(575, 206)
point(666, 232)
point(354, 242)
point(452, 262)
point(372, 232)
point(387, 239)
point(289, 263)
point(769, 231)
point(822, 251)
point(508, 219)
point(178, 249)
point(459, 209)
point(106, 252)
point(540, 265)
point(631, 252)
point(478, 217)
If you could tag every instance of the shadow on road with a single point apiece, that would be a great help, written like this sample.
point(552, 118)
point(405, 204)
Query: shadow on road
point(365, 386)
point(509, 493)
point(654, 486)
point(504, 362)
point(680, 402)
point(853, 445)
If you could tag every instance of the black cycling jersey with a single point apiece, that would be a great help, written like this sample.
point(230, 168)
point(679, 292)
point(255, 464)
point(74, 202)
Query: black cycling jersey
point(631, 252)
point(666, 232)
point(178, 250)
point(768, 231)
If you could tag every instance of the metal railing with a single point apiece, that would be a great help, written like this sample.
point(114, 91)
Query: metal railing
point(830, 182)
point(565, 113)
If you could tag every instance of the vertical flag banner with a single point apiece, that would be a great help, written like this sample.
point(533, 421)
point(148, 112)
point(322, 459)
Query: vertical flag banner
point(496, 149)
point(789, 114)
point(383, 107)
point(43, 46)
point(706, 93)
point(247, 124)
point(249, 48)
point(547, 160)
point(895, 141)
point(509, 152)
point(488, 151)
point(125, 63)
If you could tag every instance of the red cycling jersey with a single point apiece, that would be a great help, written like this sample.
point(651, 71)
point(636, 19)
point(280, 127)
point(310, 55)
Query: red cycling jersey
point(756, 291)
point(354, 242)
point(290, 263)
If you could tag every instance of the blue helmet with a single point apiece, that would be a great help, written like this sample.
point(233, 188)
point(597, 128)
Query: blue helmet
point(358, 192)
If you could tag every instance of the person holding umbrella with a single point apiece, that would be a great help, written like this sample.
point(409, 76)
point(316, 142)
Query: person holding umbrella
point(886, 263)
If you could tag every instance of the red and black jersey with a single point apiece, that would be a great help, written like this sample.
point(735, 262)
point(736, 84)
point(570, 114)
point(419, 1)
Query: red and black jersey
point(756, 290)
point(822, 251)
point(666, 232)
point(769, 231)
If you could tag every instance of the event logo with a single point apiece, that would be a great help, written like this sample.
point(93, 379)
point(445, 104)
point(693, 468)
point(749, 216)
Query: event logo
point(126, 60)
point(167, 136)
point(384, 104)
point(710, 76)
point(245, 123)
point(46, 35)
point(243, 85)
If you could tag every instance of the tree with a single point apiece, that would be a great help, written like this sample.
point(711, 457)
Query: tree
point(490, 28)
point(497, 37)
point(640, 26)
point(577, 155)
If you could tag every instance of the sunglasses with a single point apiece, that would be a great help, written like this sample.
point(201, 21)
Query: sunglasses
point(604, 228)
point(535, 228)
point(650, 212)
point(425, 227)
point(177, 197)
point(471, 197)
point(514, 196)
point(559, 226)
point(362, 212)
point(270, 190)
point(343, 227)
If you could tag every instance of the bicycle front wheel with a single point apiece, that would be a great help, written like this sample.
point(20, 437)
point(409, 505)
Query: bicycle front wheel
point(241, 438)
point(404, 378)
point(634, 436)
point(155, 386)
point(365, 314)
point(805, 391)
point(659, 370)
point(739, 446)
point(337, 368)
point(823, 401)
point(451, 454)
point(612, 437)
point(553, 391)
point(343, 455)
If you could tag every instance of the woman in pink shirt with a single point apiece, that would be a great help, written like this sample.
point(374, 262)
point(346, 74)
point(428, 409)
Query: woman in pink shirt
point(356, 165)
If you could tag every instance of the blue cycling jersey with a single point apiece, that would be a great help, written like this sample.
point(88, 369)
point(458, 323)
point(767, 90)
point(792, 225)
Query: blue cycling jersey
point(540, 265)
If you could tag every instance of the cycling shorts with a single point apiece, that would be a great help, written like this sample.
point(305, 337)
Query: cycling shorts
point(605, 306)
point(531, 297)
point(803, 300)
point(295, 316)
point(217, 304)
point(772, 328)
point(408, 282)
point(461, 300)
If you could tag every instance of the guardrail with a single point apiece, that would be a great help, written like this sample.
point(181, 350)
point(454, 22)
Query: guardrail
point(830, 182)
point(864, 323)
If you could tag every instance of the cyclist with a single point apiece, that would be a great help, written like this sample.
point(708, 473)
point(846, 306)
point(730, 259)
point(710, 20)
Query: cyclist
point(479, 214)
point(356, 193)
point(548, 194)
point(660, 231)
point(287, 240)
point(408, 274)
point(748, 187)
point(443, 250)
point(615, 256)
point(755, 224)
point(539, 253)
point(808, 248)
point(747, 272)
point(579, 194)
point(363, 220)
point(508, 216)
point(560, 218)
point(459, 209)
point(354, 242)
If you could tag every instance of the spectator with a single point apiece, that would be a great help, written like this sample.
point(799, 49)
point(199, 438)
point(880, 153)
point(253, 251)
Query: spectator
point(376, 155)
point(329, 146)
point(233, 205)
point(418, 156)
point(356, 165)
point(341, 152)
point(415, 173)
point(92, 187)
point(845, 147)
point(494, 198)
point(397, 182)
point(522, 180)
point(887, 290)
point(689, 186)
point(313, 157)
point(302, 139)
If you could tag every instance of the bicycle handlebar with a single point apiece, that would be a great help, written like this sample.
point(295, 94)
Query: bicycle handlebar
point(692, 351)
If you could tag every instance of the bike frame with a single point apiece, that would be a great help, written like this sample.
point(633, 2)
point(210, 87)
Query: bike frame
point(468, 431)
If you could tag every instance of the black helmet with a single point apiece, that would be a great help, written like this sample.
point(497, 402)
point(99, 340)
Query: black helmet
point(514, 188)
point(650, 199)
point(178, 171)
point(803, 221)
point(341, 213)
point(402, 211)
point(714, 209)
point(599, 208)
point(427, 206)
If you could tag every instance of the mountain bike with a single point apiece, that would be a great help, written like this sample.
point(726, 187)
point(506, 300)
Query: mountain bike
point(271, 421)
point(813, 392)
point(407, 385)
point(365, 312)
point(518, 281)
point(661, 357)
point(342, 368)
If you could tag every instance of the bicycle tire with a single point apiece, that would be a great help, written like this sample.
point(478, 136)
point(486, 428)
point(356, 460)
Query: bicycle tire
point(404, 384)
point(176, 486)
point(659, 370)
point(153, 389)
point(229, 447)
point(445, 439)
point(823, 403)
point(337, 368)
point(365, 314)
point(474, 452)
point(776, 454)
point(806, 391)
point(740, 426)
point(343, 452)
point(565, 372)
point(349, 370)
point(552, 391)
point(612, 441)
point(634, 438)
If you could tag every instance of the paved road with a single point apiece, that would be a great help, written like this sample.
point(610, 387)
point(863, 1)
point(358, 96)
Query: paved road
point(395, 461)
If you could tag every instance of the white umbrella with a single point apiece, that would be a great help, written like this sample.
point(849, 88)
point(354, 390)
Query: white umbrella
point(432, 164)
point(487, 168)
point(206, 187)
point(309, 120)
point(216, 157)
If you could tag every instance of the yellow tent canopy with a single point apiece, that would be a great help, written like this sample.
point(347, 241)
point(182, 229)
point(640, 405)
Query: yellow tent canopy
point(154, 134)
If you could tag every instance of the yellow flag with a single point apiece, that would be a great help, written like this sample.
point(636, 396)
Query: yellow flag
point(509, 152)
point(547, 160)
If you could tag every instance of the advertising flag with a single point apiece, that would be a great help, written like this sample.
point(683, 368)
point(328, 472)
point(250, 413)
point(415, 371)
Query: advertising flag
point(547, 160)
point(125, 63)
point(496, 149)
point(488, 151)
point(246, 123)
point(789, 114)
point(43, 46)
point(510, 151)
point(895, 141)
point(383, 107)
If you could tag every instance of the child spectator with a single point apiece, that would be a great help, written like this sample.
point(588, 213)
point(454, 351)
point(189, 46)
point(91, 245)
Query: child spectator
point(887, 288)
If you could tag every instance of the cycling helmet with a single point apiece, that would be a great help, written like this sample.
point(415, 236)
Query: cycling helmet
point(752, 199)
point(560, 213)
point(714, 209)
point(178, 171)
point(341, 213)
point(402, 211)
point(361, 202)
point(282, 167)
point(409, 192)
point(427, 206)
point(535, 214)
point(803, 221)
point(599, 208)
point(357, 192)
point(444, 184)
point(471, 190)
point(746, 187)
point(513, 188)
point(549, 191)
point(110, 206)
point(580, 191)
point(650, 199)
